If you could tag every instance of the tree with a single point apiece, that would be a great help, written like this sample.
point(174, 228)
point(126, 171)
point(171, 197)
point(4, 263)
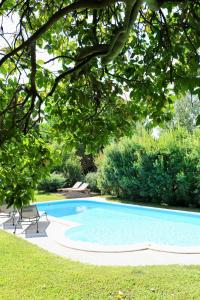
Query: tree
point(105, 65)
point(186, 111)
point(100, 49)
point(24, 160)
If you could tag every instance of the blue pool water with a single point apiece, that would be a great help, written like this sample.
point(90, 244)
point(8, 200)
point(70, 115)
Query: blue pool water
point(118, 224)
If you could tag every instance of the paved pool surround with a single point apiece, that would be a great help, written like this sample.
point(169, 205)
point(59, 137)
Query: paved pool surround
point(60, 235)
point(51, 239)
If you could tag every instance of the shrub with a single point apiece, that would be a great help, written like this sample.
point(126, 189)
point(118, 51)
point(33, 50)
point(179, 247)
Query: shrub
point(163, 178)
point(51, 183)
point(161, 171)
point(120, 165)
point(92, 179)
point(72, 170)
point(180, 154)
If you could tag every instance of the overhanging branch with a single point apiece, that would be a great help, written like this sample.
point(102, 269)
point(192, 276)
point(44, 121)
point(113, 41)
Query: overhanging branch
point(121, 37)
point(82, 4)
point(78, 67)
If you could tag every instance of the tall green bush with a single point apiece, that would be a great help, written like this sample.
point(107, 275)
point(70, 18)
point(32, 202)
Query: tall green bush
point(72, 170)
point(120, 165)
point(51, 183)
point(161, 171)
point(92, 178)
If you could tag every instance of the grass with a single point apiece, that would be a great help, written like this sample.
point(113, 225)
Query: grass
point(42, 197)
point(28, 272)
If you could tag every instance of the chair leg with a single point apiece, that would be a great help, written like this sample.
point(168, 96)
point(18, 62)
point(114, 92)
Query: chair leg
point(37, 227)
point(15, 227)
point(15, 223)
point(13, 219)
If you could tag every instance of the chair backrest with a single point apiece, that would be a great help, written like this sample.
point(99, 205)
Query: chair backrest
point(83, 186)
point(77, 185)
point(29, 212)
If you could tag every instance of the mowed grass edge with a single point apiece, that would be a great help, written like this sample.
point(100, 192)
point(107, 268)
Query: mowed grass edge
point(43, 196)
point(28, 272)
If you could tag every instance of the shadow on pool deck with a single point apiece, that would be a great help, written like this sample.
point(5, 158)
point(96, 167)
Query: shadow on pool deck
point(31, 230)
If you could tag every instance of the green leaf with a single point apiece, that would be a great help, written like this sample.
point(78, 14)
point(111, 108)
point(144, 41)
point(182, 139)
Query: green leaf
point(40, 62)
point(198, 120)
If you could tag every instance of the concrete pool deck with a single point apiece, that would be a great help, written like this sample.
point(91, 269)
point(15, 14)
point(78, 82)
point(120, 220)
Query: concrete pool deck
point(48, 239)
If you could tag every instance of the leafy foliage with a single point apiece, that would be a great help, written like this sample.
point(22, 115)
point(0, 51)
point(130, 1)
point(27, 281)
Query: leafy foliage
point(51, 183)
point(92, 179)
point(163, 171)
point(118, 167)
point(23, 162)
point(186, 112)
point(72, 170)
point(106, 64)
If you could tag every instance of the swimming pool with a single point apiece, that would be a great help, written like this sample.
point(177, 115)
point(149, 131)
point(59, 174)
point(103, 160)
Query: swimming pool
point(118, 225)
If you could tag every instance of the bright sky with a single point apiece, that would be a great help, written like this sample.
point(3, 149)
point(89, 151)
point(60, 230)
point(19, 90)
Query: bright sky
point(9, 26)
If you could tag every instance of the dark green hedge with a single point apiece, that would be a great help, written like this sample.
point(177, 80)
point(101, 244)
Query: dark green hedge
point(92, 178)
point(160, 171)
point(51, 183)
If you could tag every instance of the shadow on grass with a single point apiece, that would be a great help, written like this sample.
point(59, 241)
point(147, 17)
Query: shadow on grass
point(45, 193)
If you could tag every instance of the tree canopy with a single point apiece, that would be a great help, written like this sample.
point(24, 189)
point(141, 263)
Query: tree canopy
point(94, 67)
point(90, 69)
point(186, 113)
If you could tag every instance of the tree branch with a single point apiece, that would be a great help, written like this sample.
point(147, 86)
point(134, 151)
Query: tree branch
point(101, 49)
point(68, 72)
point(57, 57)
point(82, 4)
point(33, 67)
point(119, 40)
point(2, 2)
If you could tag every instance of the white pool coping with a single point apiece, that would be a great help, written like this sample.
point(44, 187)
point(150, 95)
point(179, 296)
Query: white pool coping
point(143, 254)
point(61, 238)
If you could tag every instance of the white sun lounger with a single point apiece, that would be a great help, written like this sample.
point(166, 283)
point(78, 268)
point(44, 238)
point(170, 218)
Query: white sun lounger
point(75, 186)
point(81, 188)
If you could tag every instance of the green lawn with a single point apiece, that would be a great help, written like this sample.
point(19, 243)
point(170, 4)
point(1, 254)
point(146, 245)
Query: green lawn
point(40, 196)
point(28, 272)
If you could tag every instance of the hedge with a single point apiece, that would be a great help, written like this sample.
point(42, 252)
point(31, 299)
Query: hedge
point(51, 183)
point(141, 168)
